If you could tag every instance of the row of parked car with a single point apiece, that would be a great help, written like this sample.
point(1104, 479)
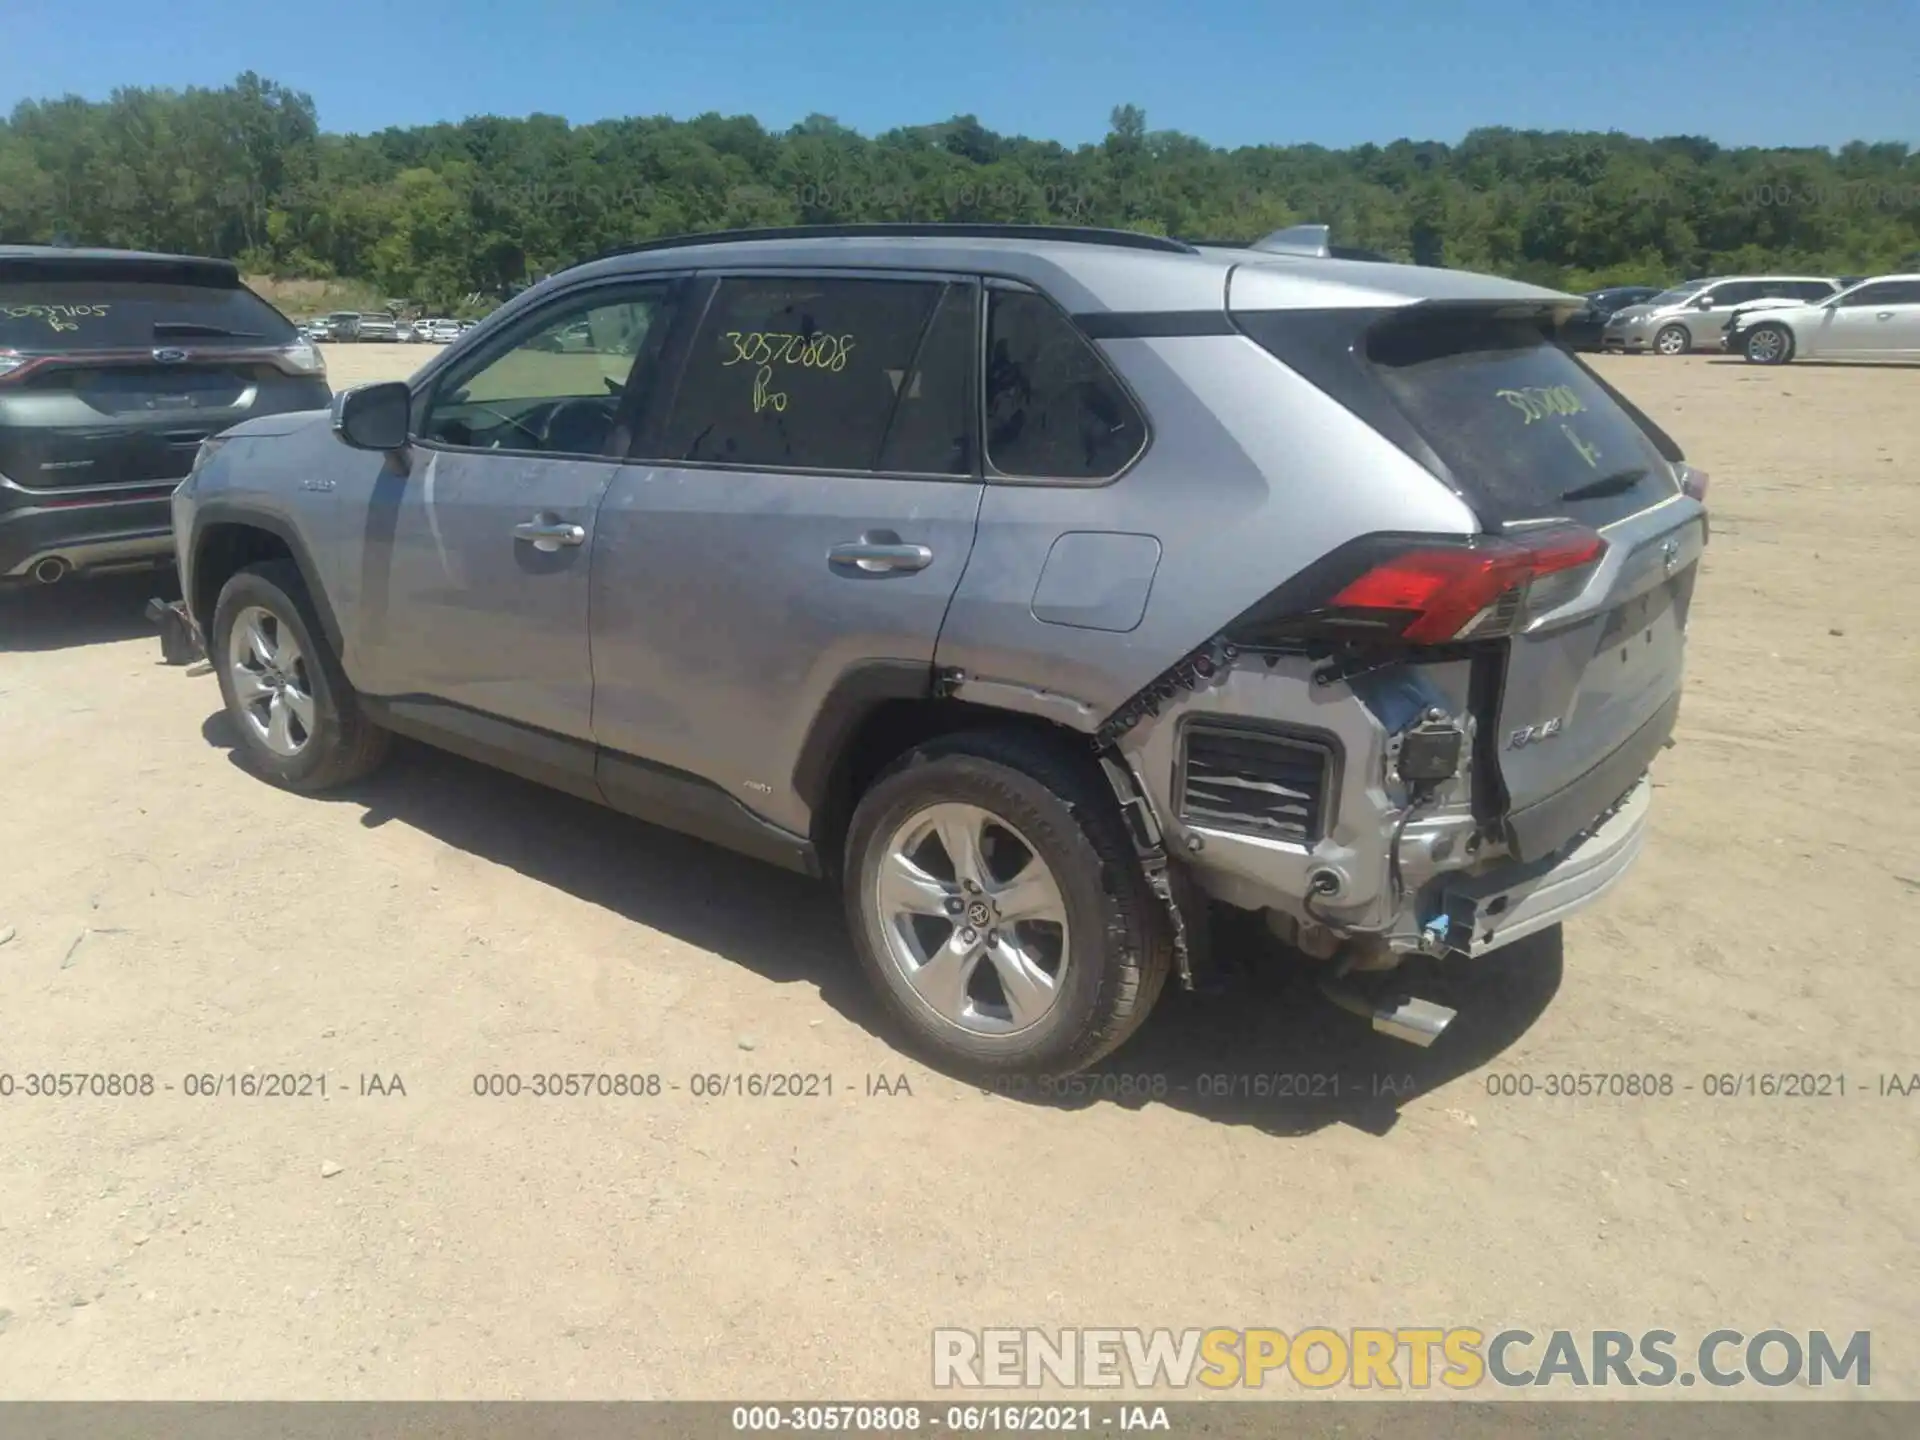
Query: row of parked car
point(351, 325)
point(1768, 319)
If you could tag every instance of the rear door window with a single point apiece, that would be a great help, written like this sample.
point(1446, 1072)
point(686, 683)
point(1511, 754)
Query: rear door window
point(798, 372)
point(68, 314)
point(1054, 408)
point(1526, 430)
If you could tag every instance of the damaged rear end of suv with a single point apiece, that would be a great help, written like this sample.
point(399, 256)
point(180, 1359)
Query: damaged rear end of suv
point(1433, 738)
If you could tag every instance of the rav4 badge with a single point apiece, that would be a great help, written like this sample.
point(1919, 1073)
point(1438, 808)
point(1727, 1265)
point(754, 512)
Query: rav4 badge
point(1533, 734)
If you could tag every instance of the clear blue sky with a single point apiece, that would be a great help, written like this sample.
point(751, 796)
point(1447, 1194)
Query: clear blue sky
point(1336, 72)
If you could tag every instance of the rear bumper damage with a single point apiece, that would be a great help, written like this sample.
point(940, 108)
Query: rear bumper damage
point(1388, 870)
point(1509, 903)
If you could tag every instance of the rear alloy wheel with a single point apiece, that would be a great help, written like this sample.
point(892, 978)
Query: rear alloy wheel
point(1769, 345)
point(1673, 340)
point(973, 919)
point(999, 908)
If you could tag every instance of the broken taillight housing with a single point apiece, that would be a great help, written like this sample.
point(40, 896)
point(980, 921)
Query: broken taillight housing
point(1693, 481)
point(1426, 590)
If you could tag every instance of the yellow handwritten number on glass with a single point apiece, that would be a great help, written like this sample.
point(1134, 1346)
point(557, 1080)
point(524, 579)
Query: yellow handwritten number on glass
point(763, 397)
point(1588, 452)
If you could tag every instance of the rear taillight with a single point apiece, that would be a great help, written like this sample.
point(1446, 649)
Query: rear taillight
point(302, 357)
point(1420, 590)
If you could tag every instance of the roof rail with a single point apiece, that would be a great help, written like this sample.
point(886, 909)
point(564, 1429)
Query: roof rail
point(1306, 240)
point(1075, 234)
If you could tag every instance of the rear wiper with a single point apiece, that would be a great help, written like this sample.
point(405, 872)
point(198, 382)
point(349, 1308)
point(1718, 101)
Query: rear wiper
point(1613, 484)
point(194, 327)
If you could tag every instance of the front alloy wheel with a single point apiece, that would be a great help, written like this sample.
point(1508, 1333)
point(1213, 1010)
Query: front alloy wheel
point(1769, 345)
point(1673, 340)
point(973, 918)
point(271, 684)
point(290, 705)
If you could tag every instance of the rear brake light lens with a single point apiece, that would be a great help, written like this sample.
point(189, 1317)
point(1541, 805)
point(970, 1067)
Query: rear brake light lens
point(1418, 590)
point(1468, 592)
point(303, 357)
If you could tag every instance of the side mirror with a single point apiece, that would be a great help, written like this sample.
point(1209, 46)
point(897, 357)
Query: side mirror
point(374, 417)
point(1705, 302)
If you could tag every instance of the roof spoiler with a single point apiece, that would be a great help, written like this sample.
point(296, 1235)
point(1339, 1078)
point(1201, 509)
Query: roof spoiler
point(1310, 240)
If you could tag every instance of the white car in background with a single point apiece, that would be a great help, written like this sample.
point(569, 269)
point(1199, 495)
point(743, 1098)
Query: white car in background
point(1694, 316)
point(439, 331)
point(1878, 319)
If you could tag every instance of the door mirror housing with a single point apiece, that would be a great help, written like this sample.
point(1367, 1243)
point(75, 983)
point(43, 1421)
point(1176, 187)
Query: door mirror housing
point(374, 417)
point(1705, 302)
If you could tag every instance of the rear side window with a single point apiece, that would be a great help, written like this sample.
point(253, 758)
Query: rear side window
point(1525, 429)
point(58, 315)
point(803, 373)
point(1811, 290)
point(1054, 409)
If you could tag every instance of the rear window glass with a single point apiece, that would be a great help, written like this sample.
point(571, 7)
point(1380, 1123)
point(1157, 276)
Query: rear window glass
point(62, 315)
point(1054, 409)
point(1523, 426)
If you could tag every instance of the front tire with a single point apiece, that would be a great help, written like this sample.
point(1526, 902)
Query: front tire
point(299, 721)
point(1769, 345)
point(1673, 340)
point(998, 906)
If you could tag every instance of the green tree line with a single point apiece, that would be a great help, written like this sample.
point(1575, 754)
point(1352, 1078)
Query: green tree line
point(442, 211)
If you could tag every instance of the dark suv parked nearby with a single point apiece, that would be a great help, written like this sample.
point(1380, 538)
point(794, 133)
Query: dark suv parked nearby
point(1583, 329)
point(114, 366)
point(1035, 585)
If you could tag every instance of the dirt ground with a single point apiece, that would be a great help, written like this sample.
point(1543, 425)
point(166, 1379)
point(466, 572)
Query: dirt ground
point(170, 916)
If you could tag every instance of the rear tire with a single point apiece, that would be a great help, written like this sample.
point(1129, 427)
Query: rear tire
point(1025, 996)
point(298, 720)
point(1673, 340)
point(1769, 345)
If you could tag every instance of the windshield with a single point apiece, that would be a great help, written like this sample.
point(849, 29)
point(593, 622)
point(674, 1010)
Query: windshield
point(1677, 293)
point(65, 315)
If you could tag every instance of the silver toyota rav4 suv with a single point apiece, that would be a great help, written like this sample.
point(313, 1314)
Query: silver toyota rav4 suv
point(1042, 588)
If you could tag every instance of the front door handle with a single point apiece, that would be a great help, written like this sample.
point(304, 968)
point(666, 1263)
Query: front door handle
point(1884, 315)
point(880, 552)
point(549, 535)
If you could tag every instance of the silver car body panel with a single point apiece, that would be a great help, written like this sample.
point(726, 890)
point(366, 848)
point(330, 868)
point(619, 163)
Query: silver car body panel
point(698, 629)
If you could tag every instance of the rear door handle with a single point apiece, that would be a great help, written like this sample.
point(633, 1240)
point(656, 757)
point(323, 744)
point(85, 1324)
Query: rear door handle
point(1884, 315)
point(549, 535)
point(880, 553)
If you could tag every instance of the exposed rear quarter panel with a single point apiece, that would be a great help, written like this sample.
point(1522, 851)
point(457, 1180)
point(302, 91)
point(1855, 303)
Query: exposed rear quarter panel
point(1251, 474)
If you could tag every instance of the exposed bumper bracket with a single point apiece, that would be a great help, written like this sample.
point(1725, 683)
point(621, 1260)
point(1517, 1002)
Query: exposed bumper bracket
point(181, 642)
point(1149, 845)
